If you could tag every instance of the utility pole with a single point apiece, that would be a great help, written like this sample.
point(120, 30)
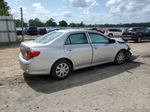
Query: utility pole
point(22, 23)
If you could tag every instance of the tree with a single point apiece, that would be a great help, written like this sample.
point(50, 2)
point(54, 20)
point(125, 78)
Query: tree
point(18, 23)
point(50, 22)
point(81, 24)
point(36, 22)
point(4, 8)
point(73, 25)
point(63, 23)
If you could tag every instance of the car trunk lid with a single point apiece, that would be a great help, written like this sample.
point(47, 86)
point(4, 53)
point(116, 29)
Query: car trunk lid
point(25, 47)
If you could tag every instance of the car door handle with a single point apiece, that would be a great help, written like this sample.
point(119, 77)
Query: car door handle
point(95, 47)
point(70, 50)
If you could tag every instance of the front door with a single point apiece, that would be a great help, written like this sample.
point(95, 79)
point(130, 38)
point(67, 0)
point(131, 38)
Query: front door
point(78, 49)
point(102, 49)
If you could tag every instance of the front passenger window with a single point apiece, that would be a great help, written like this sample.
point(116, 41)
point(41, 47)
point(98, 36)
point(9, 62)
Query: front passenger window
point(97, 38)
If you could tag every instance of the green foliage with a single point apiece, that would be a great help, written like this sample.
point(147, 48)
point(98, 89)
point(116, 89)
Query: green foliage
point(18, 23)
point(50, 22)
point(36, 22)
point(4, 8)
point(124, 25)
point(73, 25)
point(77, 24)
point(63, 23)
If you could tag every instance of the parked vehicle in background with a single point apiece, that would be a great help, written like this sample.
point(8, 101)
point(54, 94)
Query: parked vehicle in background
point(42, 31)
point(52, 29)
point(19, 31)
point(97, 30)
point(136, 33)
point(32, 31)
point(113, 32)
point(59, 52)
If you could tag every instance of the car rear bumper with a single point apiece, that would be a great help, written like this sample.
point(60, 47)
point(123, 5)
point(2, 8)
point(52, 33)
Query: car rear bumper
point(30, 67)
point(129, 37)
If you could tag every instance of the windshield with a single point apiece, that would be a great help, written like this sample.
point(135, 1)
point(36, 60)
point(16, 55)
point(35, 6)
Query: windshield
point(48, 37)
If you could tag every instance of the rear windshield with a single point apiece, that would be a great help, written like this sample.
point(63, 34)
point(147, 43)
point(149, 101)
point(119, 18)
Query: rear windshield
point(134, 29)
point(48, 37)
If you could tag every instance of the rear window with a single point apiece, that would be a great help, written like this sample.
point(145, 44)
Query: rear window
point(48, 37)
point(135, 29)
point(115, 30)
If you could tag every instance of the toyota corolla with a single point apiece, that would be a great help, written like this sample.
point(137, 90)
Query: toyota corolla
point(59, 52)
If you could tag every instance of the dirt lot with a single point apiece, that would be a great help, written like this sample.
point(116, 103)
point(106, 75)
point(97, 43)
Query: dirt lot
point(104, 88)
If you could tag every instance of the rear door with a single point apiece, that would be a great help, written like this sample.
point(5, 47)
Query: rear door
point(102, 50)
point(78, 49)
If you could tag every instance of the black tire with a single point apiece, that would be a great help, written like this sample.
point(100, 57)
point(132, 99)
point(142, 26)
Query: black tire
point(120, 58)
point(125, 40)
point(128, 56)
point(110, 35)
point(61, 69)
point(139, 39)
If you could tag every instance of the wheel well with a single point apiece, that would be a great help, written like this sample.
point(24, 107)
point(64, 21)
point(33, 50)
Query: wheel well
point(124, 50)
point(64, 59)
point(111, 34)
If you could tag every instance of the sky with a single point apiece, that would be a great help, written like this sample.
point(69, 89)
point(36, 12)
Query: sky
point(88, 11)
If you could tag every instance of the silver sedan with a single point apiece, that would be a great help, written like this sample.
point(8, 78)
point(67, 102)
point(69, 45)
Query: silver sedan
point(59, 52)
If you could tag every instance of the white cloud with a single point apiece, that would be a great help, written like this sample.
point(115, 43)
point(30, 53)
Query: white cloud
point(129, 10)
point(44, 14)
point(66, 14)
point(112, 2)
point(147, 9)
point(83, 3)
point(24, 8)
point(40, 12)
point(119, 11)
point(15, 13)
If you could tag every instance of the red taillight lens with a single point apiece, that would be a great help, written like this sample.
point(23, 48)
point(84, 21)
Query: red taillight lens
point(133, 32)
point(31, 54)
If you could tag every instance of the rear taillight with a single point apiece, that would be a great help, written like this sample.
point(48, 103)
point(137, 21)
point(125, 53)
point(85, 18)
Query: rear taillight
point(133, 32)
point(31, 54)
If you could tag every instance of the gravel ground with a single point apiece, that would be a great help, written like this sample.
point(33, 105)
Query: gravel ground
point(104, 88)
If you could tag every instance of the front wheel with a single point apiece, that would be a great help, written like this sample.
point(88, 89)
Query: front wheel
point(120, 58)
point(61, 69)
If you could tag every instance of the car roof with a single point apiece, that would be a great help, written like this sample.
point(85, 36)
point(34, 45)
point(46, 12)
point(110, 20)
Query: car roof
point(74, 30)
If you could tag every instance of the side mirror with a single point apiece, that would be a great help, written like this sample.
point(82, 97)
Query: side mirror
point(111, 41)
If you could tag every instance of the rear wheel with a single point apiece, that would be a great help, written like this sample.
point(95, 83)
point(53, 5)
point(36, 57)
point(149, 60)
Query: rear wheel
point(120, 57)
point(61, 69)
point(110, 35)
point(138, 40)
point(125, 40)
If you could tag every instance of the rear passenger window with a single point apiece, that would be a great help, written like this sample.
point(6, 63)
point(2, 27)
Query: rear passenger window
point(79, 38)
point(67, 41)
